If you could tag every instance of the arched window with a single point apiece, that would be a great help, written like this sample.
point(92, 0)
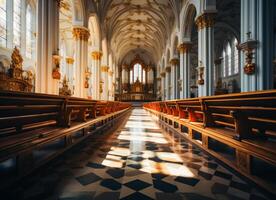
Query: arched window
point(29, 32)
point(3, 23)
point(229, 64)
point(137, 72)
point(17, 23)
point(230, 56)
point(236, 57)
point(224, 64)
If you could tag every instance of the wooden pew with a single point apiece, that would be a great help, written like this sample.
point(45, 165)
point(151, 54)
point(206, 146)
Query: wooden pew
point(30, 121)
point(20, 112)
point(248, 115)
point(190, 109)
point(243, 124)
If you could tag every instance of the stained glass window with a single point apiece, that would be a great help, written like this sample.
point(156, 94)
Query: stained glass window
point(137, 70)
point(17, 23)
point(144, 76)
point(3, 23)
point(29, 32)
point(224, 63)
point(229, 56)
point(236, 57)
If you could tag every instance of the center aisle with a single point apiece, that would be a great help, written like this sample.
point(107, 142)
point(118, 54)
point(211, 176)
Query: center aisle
point(137, 162)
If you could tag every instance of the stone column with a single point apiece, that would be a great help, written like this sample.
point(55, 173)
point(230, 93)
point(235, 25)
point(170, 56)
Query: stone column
point(96, 75)
point(163, 85)
point(81, 35)
point(174, 81)
point(159, 87)
point(257, 19)
point(104, 70)
point(70, 71)
point(205, 24)
point(47, 67)
point(168, 82)
point(110, 85)
point(185, 62)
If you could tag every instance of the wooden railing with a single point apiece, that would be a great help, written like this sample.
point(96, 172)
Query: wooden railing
point(30, 121)
point(244, 123)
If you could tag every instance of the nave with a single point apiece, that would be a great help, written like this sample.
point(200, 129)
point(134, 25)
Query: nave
point(137, 161)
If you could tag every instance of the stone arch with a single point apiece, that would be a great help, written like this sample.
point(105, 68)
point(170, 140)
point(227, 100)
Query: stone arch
point(188, 22)
point(191, 8)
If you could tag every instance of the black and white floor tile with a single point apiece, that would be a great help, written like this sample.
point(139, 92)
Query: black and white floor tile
point(137, 162)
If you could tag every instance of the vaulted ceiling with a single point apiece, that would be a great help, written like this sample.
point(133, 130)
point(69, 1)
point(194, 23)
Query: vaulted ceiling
point(138, 27)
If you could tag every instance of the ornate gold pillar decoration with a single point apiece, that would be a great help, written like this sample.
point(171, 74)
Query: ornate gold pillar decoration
point(104, 68)
point(70, 60)
point(81, 33)
point(96, 55)
point(248, 47)
point(184, 47)
point(168, 69)
point(56, 73)
point(205, 20)
point(174, 61)
point(87, 77)
point(200, 69)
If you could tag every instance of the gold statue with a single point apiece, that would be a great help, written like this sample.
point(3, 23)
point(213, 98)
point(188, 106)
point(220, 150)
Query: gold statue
point(17, 59)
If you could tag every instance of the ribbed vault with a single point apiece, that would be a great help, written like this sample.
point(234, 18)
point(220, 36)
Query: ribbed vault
point(138, 26)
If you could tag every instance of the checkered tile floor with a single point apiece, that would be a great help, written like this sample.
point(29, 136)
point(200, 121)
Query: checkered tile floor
point(137, 162)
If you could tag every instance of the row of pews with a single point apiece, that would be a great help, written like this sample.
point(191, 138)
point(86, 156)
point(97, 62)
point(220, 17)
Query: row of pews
point(239, 129)
point(35, 128)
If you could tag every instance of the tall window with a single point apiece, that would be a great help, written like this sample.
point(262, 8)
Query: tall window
point(16, 23)
point(229, 64)
point(224, 64)
point(3, 23)
point(230, 56)
point(137, 72)
point(29, 32)
point(236, 57)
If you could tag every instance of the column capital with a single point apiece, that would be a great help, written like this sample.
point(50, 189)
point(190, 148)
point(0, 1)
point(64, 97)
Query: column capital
point(148, 68)
point(174, 61)
point(70, 60)
point(96, 55)
point(81, 33)
point(125, 67)
point(104, 68)
point(184, 47)
point(218, 61)
point(158, 78)
point(168, 69)
point(205, 20)
point(163, 74)
point(110, 73)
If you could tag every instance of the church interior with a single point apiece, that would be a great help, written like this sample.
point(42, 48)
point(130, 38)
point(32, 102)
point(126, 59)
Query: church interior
point(137, 99)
